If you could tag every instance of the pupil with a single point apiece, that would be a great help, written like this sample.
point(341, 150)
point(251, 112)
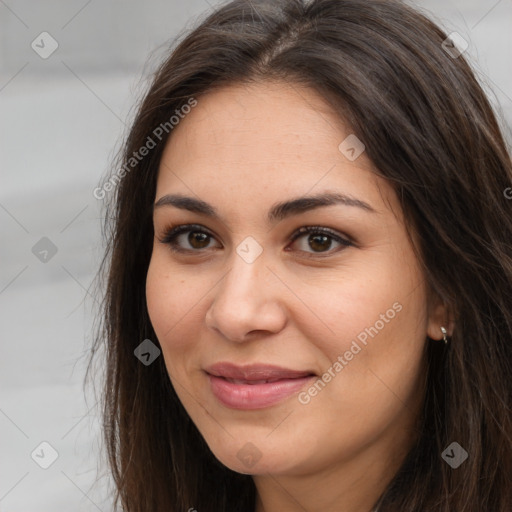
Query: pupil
point(317, 240)
point(197, 239)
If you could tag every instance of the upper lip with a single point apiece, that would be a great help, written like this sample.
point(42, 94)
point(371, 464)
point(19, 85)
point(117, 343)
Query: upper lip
point(255, 372)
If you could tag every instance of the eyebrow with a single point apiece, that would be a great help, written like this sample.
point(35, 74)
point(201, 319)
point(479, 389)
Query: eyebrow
point(278, 212)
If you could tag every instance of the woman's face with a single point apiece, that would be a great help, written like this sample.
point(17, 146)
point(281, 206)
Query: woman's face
point(336, 317)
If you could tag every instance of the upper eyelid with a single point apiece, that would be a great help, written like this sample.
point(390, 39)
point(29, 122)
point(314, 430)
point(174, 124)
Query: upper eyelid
point(198, 227)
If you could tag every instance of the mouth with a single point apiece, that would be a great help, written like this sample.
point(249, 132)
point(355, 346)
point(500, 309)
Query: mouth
point(255, 373)
point(251, 382)
point(255, 386)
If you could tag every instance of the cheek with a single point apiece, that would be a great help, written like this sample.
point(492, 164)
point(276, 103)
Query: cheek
point(373, 362)
point(161, 305)
point(377, 324)
point(383, 345)
point(372, 304)
point(170, 301)
point(177, 300)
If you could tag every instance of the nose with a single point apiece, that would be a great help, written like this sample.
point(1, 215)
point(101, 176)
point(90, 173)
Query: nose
point(247, 302)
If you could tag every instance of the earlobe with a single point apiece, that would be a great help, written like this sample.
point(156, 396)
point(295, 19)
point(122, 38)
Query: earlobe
point(441, 323)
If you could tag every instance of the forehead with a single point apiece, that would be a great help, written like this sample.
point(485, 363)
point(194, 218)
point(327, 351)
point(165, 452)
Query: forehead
point(267, 138)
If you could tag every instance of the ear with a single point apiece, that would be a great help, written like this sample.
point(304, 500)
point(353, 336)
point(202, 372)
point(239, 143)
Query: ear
point(439, 315)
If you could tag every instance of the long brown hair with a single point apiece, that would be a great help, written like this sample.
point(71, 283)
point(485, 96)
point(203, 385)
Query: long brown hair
point(430, 131)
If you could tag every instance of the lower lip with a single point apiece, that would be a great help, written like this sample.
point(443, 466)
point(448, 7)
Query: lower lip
point(255, 396)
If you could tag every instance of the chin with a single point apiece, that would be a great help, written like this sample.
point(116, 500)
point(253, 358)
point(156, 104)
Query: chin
point(255, 458)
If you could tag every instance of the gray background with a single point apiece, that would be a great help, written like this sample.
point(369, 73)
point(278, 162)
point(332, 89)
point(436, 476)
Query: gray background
point(61, 121)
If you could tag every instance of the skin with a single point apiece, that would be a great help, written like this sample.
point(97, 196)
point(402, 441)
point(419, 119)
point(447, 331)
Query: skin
point(243, 149)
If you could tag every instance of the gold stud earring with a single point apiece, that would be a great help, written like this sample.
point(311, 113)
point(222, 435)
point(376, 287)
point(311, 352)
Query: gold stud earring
point(445, 338)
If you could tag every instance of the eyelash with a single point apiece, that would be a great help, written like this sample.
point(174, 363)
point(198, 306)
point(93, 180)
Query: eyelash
point(171, 234)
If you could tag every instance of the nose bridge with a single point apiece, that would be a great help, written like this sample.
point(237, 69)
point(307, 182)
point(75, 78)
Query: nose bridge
point(248, 269)
point(241, 289)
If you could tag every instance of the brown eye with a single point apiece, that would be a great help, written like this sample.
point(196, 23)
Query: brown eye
point(187, 238)
point(315, 239)
point(198, 239)
point(319, 243)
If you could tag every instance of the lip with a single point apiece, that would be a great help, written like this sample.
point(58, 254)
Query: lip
point(244, 387)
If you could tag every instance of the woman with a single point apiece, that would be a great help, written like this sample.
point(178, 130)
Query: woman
point(309, 302)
